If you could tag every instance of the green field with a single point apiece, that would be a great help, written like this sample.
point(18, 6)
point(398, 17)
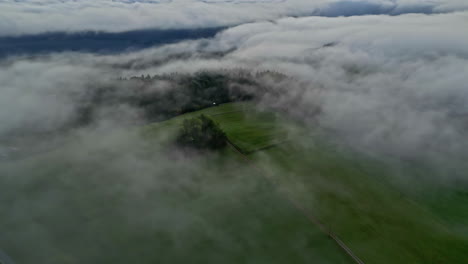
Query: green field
point(127, 197)
point(249, 132)
point(352, 194)
point(121, 198)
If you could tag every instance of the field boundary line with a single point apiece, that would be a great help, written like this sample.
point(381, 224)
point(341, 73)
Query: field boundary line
point(223, 113)
point(312, 218)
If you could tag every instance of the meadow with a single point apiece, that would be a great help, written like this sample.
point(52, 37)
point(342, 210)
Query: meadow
point(129, 197)
point(358, 197)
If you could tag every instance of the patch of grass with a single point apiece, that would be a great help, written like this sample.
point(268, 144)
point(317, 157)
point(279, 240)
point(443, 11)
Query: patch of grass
point(122, 199)
point(215, 208)
point(249, 129)
point(353, 194)
point(379, 223)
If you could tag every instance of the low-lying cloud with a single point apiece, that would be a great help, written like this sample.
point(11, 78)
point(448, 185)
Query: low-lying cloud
point(33, 17)
point(391, 84)
point(387, 85)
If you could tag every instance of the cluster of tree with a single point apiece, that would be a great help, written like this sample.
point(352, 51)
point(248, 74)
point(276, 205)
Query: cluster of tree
point(161, 97)
point(190, 93)
point(202, 133)
point(234, 74)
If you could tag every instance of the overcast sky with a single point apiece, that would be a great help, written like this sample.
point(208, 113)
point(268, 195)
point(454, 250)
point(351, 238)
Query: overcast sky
point(38, 16)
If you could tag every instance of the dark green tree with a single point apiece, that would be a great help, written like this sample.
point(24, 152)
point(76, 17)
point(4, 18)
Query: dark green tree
point(202, 133)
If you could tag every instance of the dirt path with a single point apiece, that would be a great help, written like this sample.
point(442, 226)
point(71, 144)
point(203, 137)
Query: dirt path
point(312, 218)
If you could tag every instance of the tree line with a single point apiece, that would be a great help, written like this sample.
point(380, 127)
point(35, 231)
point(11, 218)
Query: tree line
point(160, 97)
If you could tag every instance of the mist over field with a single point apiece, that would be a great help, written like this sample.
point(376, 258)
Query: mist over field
point(380, 82)
point(82, 83)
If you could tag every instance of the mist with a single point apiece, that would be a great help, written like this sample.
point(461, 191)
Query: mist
point(383, 79)
point(35, 17)
point(380, 82)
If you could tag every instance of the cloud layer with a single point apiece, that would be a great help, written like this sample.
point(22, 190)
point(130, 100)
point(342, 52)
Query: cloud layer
point(391, 84)
point(32, 17)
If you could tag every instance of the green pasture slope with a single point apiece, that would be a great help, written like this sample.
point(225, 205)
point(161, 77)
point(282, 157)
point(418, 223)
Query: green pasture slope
point(107, 200)
point(248, 129)
point(118, 198)
point(351, 194)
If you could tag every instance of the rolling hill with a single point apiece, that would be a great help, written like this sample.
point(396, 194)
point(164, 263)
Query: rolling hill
point(273, 196)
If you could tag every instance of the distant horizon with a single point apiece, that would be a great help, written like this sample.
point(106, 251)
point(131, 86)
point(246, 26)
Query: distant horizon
point(98, 41)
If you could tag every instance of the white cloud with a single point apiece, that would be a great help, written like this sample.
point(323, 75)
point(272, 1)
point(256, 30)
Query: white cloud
point(385, 82)
point(396, 83)
point(21, 17)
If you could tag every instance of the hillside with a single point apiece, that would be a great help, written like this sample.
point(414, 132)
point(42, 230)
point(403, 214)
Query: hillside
point(233, 132)
point(101, 198)
point(350, 193)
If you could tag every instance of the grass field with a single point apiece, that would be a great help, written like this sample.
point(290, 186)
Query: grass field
point(352, 194)
point(117, 198)
point(250, 132)
point(378, 222)
point(122, 199)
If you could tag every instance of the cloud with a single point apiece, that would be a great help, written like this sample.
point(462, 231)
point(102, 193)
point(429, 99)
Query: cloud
point(388, 84)
point(392, 84)
point(110, 182)
point(32, 17)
